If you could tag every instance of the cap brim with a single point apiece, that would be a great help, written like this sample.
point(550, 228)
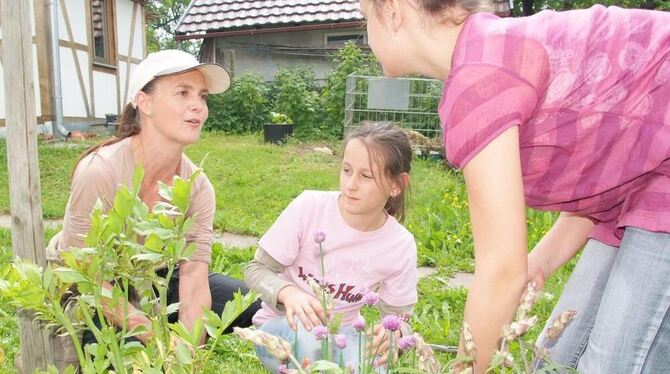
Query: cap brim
point(216, 76)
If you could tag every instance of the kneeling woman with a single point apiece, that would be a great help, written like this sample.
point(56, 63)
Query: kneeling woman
point(166, 112)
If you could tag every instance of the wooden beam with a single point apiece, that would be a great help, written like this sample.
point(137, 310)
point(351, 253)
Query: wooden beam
point(24, 173)
point(130, 51)
point(44, 60)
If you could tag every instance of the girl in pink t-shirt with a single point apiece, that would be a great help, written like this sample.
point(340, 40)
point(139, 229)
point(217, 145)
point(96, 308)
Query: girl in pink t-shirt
point(561, 111)
point(365, 248)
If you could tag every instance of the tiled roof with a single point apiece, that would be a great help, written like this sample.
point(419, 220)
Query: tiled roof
point(211, 15)
point(223, 15)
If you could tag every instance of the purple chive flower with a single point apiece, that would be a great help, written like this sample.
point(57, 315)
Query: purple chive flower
point(282, 369)
point(359, 323)
point(391, 322)
point(371, 298)
point(406, 343)
point(319, 237)
point(320, 333)
point(341, 341)
point(351, 368)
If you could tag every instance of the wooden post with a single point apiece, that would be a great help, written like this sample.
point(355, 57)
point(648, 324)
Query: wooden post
point(24, 174)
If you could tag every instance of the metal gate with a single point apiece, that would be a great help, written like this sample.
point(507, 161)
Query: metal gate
point(411, 102)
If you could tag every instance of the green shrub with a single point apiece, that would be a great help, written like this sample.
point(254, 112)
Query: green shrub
point(349, 59)
point(242, 109)
point(294, 94)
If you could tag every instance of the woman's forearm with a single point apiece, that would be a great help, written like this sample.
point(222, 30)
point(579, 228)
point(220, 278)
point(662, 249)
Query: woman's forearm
point(565, 238)
point(498, 216)
point(194, 292)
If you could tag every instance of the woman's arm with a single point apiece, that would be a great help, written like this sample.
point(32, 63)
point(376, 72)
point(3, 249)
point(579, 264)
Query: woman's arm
point(194, 292)
point(497, 213)
point(565, 238)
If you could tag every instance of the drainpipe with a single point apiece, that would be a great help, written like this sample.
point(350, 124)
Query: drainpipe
point(57, 123)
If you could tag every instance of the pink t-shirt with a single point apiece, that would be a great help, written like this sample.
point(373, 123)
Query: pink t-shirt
point(590, 92)
point(355, 261)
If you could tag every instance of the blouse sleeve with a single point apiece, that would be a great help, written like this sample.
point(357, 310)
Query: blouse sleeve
point(93, 180)
point(203, 206)
point(480, 102)
point(282, 240)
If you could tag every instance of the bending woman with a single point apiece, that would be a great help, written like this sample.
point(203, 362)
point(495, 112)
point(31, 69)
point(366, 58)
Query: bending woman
point(561, 111)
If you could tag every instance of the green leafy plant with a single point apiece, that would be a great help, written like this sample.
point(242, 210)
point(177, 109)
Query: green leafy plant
point(294, 93)
point(280, 119)
point(242, 109)
point(115, 270)
point(350, 59)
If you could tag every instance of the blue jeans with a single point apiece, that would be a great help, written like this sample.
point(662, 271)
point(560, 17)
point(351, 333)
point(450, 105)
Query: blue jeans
point(308, 347)
point(622, 299)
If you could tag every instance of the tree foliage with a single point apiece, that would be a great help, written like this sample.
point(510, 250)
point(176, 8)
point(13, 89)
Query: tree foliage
point(162, 19)
point(528, 7)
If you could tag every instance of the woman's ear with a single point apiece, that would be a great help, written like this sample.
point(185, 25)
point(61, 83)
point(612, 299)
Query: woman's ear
point(402, 181)
point(143, 103)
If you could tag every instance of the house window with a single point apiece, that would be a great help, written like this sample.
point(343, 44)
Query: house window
point(102, 30)
point(339, 38)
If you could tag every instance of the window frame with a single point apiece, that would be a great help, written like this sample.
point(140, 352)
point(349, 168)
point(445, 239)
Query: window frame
point(109, 36)
point(362, 39)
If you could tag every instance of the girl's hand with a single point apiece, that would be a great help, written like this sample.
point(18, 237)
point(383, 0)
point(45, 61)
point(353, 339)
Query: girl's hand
point(307, 307)
point(380, 344)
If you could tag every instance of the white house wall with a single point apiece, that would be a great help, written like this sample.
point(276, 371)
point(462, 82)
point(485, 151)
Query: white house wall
point(105, 98)
point(73, 101)
point(124, 12)
point(138, 43)
point(123, 70)
point(36, 82)
point(76, 12)
point(252, 58)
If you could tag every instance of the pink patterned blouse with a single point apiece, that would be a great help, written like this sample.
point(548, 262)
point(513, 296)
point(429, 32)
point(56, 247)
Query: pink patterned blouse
point(590, 92)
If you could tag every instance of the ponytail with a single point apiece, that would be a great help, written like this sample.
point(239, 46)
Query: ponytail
point(129, 125)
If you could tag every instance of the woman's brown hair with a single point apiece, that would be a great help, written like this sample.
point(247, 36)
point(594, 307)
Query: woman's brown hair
point(441, 9)
point(390, 148)
point(129, 125)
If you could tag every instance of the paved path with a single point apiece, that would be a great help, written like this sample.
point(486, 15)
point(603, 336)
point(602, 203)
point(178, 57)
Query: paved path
point(231, 240)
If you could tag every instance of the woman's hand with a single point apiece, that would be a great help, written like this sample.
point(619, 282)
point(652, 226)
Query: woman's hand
point(565, 238)
point(307, 307)
point(537, 271)
point(380, 344)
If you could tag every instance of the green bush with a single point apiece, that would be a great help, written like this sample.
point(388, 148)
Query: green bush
point(246, 106)
point(294, 94)
point(349, 59)
point(242, 109)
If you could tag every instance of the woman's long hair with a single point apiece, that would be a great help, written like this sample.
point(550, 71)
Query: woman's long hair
point(129, 125)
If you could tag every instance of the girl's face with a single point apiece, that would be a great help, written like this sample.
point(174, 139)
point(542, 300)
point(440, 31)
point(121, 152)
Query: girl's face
point(363, 187)
point(177, 107)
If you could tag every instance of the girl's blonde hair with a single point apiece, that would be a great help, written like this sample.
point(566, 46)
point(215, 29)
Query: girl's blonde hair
point(389, 148)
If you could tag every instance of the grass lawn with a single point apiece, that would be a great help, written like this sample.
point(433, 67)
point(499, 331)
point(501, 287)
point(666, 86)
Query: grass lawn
point(254, 182)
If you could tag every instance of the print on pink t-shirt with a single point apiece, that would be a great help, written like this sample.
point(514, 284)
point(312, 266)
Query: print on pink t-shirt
point(355, 261)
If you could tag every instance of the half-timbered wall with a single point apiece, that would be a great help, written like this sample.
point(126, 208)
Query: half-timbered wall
point(91, 86)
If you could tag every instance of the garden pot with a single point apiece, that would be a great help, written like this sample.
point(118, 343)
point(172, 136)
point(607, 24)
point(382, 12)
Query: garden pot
point(277, 133)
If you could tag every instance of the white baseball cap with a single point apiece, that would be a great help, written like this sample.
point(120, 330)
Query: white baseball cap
point(173, 61)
